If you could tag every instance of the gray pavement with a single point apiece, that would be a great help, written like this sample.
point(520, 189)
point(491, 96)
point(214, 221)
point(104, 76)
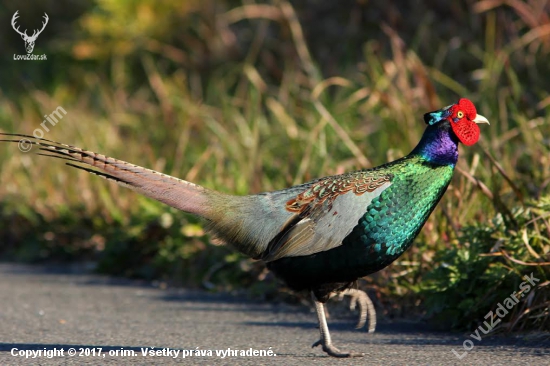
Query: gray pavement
point(44, 309)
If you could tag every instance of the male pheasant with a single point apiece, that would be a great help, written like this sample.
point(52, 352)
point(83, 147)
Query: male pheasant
point(323, 235)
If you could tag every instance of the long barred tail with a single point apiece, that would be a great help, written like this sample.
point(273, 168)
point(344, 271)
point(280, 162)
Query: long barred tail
point(175, 192)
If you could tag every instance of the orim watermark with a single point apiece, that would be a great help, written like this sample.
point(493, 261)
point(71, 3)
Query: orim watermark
point(495, 317)
point(53, 118)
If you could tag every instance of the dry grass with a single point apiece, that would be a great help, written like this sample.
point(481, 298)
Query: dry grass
point(269, 119)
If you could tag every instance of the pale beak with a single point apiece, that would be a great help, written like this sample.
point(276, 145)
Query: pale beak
point(480, 119)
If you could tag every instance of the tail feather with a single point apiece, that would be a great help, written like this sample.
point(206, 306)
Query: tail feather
point(178, 193)
point(248, 223)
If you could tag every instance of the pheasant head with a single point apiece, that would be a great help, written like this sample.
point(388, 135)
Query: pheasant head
point(446, 128)
point(463, 119)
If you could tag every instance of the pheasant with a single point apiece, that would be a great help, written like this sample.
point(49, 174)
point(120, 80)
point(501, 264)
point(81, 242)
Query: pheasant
point(323, 235)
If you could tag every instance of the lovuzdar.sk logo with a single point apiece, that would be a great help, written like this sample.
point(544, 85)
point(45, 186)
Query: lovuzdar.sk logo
point(29, 40)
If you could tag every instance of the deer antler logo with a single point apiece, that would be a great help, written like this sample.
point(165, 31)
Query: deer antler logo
point(29, 41)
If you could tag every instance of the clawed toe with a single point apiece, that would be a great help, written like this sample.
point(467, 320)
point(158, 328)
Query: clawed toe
point(331, 350)
point(325, 340)
point(366, 307)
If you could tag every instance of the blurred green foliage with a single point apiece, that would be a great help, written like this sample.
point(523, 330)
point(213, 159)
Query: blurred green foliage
point(488, 265)
point(246, 97)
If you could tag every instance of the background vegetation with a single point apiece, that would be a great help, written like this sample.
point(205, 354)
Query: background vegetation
point(245, 96)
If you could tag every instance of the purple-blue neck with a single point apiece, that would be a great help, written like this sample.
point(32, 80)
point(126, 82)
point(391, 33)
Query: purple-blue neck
point(438, 145)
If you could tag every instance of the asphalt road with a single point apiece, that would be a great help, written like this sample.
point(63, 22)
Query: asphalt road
point(46, 310)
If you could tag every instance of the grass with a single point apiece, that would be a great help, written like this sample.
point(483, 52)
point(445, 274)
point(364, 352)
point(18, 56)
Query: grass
point(277, 115)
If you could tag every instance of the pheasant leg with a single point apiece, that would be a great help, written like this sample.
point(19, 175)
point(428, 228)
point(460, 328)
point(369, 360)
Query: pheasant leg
point(326, 341)
point(366, 308)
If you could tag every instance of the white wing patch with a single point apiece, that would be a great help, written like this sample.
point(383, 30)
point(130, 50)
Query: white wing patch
point(325, 227)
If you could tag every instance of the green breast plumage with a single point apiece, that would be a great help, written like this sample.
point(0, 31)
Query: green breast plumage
point(388, 226)
point(393, 219)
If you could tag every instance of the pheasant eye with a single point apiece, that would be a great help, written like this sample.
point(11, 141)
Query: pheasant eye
point(460, 114)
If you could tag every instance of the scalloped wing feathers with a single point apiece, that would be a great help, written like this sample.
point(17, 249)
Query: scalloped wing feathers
point(298, 221)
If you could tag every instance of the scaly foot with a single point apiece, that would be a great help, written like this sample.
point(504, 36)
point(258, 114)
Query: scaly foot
point(325, 340)
point(331, 350)
point(366, 308)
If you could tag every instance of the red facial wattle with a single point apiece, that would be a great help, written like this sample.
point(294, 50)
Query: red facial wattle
point(462, 122)
point(466, 131)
